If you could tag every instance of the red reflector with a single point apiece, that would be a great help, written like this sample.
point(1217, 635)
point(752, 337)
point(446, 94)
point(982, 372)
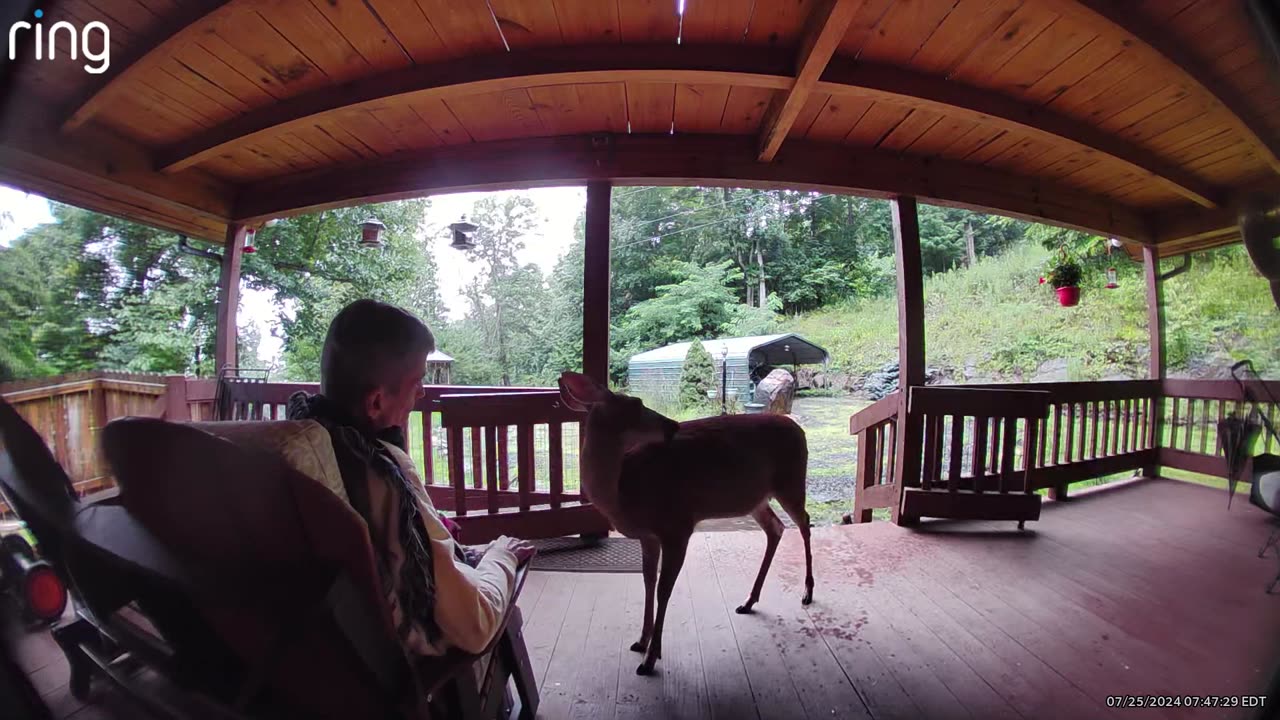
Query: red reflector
point(46, 596)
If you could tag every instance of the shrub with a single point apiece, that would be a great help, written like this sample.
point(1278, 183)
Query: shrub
point(697, 377)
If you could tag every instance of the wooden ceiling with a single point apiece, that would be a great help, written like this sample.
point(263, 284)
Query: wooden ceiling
point(1148, 120)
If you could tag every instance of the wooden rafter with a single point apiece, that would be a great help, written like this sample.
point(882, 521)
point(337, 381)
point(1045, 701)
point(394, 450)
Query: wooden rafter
point(144, 53)
point(688, 159)
point(827, 27)
point(1165, 48)
point(101, 171)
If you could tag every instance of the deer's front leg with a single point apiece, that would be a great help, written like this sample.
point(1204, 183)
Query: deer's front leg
point(673, 551)
point(652, 551)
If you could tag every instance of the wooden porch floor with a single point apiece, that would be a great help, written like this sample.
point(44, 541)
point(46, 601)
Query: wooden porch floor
point(1152, 588)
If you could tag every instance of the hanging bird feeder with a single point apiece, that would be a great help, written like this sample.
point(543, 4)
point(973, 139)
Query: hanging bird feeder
point(249, 235)
point(462, 231)
point(371, 233)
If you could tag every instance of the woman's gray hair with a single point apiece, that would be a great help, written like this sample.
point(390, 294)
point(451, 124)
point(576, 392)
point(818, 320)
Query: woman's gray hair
point(367, 344)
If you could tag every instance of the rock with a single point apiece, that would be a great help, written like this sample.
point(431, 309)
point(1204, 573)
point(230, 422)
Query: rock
point(776, 392)
point(1051, 371)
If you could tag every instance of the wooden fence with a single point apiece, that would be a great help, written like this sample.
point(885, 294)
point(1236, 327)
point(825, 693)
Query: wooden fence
point(70, 410)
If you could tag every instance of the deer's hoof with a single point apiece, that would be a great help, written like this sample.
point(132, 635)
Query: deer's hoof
point(808, 598)
point(639, 646)
point(743, 609)
point(645, 668)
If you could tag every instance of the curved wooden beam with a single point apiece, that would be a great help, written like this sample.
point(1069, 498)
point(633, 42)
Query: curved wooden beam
point(713, 64)
point(1163, 47)
point(729, 65)
point(686, 160)
point(183, 25)
point(918, 90)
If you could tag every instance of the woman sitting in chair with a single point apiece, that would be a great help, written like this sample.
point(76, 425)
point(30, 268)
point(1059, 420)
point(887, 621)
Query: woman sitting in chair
point(441, 594)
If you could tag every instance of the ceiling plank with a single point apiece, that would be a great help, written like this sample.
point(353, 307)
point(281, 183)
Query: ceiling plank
point(681, 64)
point(718, 65)
point(1158, 44)
point(827, 27)
point(935, 94)
point(687, 159)
point(145, 53)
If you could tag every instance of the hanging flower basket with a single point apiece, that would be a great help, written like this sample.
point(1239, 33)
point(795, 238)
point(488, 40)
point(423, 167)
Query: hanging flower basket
point(1064, 275)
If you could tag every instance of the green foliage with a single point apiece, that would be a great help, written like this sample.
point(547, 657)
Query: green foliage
point(697, 377)
point(992, 321)
point(1063, 270)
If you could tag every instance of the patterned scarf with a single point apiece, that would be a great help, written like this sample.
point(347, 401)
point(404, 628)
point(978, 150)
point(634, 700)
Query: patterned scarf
point(358, 449)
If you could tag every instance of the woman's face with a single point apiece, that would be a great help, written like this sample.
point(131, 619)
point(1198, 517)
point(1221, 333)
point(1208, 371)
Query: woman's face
point(390, 405)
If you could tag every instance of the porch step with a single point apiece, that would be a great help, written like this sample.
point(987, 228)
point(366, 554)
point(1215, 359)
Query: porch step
point(969, 505)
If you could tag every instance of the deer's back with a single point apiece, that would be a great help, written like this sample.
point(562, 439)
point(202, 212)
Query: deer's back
point(714, 467)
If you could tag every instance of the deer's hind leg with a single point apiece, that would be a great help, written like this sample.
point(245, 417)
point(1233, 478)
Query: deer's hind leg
point(651, 550)
point(772, 527)
point(794, 507)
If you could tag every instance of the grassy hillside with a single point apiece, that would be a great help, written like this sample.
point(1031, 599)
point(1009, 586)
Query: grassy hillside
point(995, 322)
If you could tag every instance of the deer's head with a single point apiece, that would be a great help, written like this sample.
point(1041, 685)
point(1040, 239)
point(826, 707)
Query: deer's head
point(617, 415)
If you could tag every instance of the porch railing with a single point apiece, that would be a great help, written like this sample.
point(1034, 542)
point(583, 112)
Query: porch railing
point(68, 412)
point(1091, 429)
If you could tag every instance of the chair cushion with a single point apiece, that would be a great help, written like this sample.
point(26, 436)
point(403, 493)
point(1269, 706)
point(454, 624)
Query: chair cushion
point(304, 444)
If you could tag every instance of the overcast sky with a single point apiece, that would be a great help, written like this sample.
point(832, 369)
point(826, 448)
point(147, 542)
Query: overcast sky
point(557, 210)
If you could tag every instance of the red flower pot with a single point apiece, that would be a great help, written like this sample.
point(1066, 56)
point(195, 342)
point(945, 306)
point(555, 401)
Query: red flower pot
point(1068, 296)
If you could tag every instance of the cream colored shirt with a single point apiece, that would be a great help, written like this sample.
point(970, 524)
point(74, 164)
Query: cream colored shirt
point(470, 601)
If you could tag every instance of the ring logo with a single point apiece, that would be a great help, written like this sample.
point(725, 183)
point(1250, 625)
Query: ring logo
point(81, 42)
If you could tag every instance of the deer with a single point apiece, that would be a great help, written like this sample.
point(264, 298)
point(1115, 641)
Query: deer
point(654, 479)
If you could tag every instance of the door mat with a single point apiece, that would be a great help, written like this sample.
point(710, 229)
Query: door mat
point(571, 554)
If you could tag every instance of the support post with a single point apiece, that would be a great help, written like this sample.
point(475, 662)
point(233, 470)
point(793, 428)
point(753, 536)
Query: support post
point(224, 350)
point(1155, 333)
point(909, 435)
point(595, 284)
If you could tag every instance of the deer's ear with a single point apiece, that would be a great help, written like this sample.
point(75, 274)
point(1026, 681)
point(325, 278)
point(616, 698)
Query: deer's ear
point(579, 392)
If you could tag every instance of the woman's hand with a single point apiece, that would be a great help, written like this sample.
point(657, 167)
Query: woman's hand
point(522, 549)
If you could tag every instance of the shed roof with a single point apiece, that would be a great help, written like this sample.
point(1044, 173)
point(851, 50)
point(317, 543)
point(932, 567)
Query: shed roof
point(798, 350)
point(1147, 121)
point(437, 356)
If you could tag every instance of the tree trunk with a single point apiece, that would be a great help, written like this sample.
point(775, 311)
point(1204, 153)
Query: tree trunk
point(751, 301)
point(968, 244)
point(760, 259)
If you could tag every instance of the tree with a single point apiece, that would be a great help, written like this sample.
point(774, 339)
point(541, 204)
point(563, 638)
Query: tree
point(697, 377)
point(502, 286)
point(314, 266)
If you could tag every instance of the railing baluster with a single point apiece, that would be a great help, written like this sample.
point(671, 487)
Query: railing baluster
point(524, 464)
point(457, 478)
point(979, 451)
point(868, 453)
point(957, 453)
point(1071, 432)
point(504, 472)
point(1090, 426)
point(931, 460)
point(1173, 425)
point(1042, 426)
point(491, 473)
point(555, 462)
point(1222, 415)
point(993, 449)
point(1007, 469)
point(1056, 453)
point(428, 459)
point(477, 465)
